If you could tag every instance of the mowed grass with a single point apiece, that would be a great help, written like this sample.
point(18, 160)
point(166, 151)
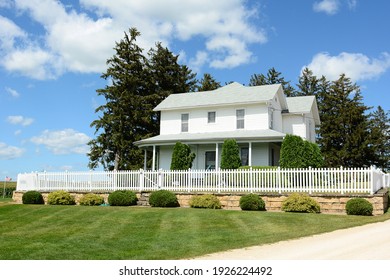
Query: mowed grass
point(43, 232)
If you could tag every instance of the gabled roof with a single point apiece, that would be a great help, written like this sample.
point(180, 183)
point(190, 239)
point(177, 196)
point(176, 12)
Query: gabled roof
point(303, 105)
point(232, 94)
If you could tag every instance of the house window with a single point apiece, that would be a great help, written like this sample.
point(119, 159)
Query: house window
point(271, 118)
point(211, 117)
point(184, 122)
point(244, 156)
point(240, 117)
point(210, 160)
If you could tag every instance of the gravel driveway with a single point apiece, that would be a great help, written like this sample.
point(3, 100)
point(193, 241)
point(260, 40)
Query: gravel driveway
point(368, 242)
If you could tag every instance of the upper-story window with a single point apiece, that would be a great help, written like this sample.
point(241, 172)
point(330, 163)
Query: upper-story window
point(271, 118)
point(211, 117)
point(240, 119)
point(184, 122)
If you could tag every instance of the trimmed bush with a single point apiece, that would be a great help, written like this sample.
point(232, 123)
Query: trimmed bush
point(230, 157)
point(300, 203)
point(205, 201)
point(163, 198)
point(60, 198)
point(359, 206)
point(182, 157)
point(32, 197)
point(122, 198)
point(91, 199)
point(252, 202)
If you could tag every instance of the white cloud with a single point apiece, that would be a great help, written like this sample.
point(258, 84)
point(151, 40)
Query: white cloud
point(9, 152)
point(60, 142)
point(82, 41)
point(9, 32)
point(356, 66)
point(12, 92)
point(20, 120)
point(329, 7)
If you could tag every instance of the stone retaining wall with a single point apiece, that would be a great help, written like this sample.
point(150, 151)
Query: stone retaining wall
point(329, 203)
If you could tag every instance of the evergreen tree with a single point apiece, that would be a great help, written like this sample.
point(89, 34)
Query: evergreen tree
point(136, 85)
point(380, 138)
point(308, 83)
point(182, 157)
point(230, 157)
point(208, 83)
point(121, 121)
point(167, 76)
point(273, 77)
point(344, 135)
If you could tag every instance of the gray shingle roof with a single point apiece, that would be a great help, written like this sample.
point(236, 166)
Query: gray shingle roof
point(233, 93)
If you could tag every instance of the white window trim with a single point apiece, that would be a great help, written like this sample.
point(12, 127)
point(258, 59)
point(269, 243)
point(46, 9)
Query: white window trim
point(240, 119)
point(182, 123)
point(208, 117)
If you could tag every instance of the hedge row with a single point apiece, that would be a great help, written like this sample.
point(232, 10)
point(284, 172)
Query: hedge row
point(301, 203)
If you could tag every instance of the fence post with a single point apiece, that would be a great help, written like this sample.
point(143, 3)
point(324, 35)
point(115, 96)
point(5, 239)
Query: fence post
point(342, 180)
point(372, 180)
point(160, 175)
point(310, 180)
point(90, 180)
point(141, 180)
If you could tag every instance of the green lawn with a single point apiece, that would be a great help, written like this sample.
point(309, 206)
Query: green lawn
point(45, 232)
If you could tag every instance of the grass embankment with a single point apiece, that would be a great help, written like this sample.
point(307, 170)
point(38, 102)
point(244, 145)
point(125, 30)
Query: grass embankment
point(113, 233)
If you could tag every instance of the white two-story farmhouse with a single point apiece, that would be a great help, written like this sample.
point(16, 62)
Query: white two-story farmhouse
point(257, 117)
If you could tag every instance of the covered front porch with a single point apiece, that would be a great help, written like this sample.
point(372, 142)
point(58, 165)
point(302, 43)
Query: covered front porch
point(257, 148)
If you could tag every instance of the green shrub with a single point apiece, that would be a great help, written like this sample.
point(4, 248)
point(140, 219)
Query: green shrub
point(300, 203)
point(298, 153)
point(252, 202)
point(359, 206)
point(122, 198)
point(91, 199)
point(230, 156)
point(60, 198)
point(163, 198)
point(182, 157)
point(32, 197)
point(205, 201)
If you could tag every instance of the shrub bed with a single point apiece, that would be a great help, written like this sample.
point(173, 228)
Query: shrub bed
point(60, 198)
point(359, 206)
point(32, 197)
point(91, 199)
point(163, 198)
point(205, 201)
point(300, 203)
point(122, 198)
point(252, 202)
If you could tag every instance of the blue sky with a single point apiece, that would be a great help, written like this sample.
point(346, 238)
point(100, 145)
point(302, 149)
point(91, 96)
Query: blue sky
point(53, 53)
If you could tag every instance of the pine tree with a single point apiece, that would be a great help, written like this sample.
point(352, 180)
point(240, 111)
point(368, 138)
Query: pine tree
point(344, 135)
point(208, 83)
point(136, 85)
point(121, 121)
point(308, 83)
point(273, 77)
point(380, 138)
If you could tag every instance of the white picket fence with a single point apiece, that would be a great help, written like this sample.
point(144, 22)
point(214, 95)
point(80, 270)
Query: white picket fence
point(311, 180)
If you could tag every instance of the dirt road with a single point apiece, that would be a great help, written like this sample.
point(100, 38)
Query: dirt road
point(368, 242)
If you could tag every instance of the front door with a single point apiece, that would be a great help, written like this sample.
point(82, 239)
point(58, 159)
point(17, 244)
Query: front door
point(210, 160)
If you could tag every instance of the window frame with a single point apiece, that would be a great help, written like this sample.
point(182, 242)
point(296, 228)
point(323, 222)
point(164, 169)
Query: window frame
point(240, 119)
point(213, 119)
point(185, 122)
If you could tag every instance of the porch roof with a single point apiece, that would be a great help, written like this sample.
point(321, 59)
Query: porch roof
point(266, 135)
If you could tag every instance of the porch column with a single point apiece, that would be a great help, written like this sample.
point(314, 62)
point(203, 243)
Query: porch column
point(145, 158)
point(154, 158)
point(250, 154)
point(216, 157)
